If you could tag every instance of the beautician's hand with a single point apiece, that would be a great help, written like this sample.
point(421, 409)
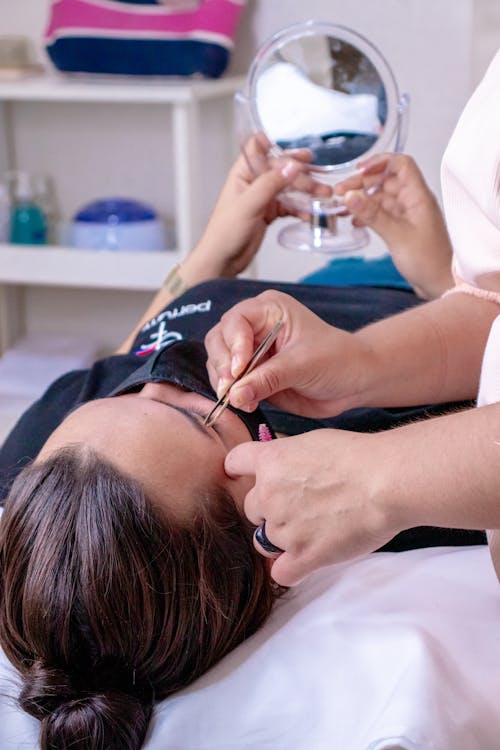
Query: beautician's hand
point(247, 205)
point(405, 213)
point(312, 369)
point(320, 496)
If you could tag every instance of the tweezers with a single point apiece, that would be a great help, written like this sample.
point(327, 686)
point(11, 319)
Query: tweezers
point(263, 347)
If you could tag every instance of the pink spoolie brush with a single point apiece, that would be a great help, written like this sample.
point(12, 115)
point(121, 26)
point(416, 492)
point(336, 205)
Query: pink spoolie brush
point(264, 433)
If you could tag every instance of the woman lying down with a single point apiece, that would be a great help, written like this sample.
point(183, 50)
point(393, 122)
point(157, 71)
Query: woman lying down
point(127, 563)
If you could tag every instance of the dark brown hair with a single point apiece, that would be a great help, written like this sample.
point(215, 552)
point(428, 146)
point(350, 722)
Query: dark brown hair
point(108, 606)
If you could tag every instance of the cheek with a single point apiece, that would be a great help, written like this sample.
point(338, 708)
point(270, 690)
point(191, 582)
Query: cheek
point(239, 488)
point(203, 466)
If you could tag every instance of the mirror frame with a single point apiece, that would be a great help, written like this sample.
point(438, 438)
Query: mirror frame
point(344, 34)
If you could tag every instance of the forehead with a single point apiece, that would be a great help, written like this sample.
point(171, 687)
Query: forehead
point(130, 429)
point(162, 446)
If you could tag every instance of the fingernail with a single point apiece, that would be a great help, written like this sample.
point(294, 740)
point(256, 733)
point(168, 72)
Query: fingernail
point(236, 365)
point(289, 168)
point(222, 386)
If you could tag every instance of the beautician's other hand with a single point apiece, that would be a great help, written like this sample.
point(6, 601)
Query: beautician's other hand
point(319, 494)
point(405, 213)
point(248, 203)
point(312, 369)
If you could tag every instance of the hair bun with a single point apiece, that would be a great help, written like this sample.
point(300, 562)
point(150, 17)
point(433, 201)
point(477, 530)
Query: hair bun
point(44, 689)
point(109, 719)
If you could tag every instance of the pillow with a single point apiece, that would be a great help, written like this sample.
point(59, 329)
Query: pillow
point(109, 36)
point(394, 651)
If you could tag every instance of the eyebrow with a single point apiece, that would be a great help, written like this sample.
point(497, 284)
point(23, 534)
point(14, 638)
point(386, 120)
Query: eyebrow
point(193, 418)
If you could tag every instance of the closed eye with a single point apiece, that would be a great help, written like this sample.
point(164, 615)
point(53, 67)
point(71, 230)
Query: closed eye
point(203, 413)
point(194, 414)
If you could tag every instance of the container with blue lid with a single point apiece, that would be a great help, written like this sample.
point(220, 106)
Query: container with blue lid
point(117, 224)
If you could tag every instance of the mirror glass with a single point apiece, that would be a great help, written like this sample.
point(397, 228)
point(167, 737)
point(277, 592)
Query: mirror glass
point(325, 88)
point(322, 93)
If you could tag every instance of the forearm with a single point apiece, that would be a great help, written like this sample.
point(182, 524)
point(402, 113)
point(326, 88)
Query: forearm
point(199, 266)
point(441, 472)
point(430, 353)
point(245, 207)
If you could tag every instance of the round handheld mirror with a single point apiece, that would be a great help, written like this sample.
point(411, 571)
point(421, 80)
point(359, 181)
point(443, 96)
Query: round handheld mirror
point(324, 88)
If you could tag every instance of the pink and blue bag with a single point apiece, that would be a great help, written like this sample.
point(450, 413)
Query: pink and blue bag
point(141, 37)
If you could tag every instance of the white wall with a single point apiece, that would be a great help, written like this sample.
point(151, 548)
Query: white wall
point(486, 35)
point(428, 43)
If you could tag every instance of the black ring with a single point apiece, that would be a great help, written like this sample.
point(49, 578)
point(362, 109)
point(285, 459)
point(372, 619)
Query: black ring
point(261, 538)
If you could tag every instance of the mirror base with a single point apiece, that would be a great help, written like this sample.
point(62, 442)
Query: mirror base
point(342, 240)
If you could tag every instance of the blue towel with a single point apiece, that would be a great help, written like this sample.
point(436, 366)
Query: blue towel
point(359, 272)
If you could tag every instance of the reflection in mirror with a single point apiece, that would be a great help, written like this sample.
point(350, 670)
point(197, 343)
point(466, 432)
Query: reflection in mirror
point(323, 94)
point(327, 89)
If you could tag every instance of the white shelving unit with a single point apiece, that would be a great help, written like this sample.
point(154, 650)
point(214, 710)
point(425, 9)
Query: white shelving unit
point(62, 266)
point(58, 266)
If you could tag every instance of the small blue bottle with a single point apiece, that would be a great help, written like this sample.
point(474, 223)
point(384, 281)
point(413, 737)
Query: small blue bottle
point(28, 224)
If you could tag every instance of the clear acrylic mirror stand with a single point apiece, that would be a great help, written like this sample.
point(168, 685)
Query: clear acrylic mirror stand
point(328, 228)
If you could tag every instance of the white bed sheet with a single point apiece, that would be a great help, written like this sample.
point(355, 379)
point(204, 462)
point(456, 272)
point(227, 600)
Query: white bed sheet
point(388, 651)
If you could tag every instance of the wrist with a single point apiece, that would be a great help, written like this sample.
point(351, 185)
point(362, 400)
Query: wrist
point(204, 261)
point(436, 285)
point(380, 482)
point(198, 267)
point(365, 373)
point(390, 488)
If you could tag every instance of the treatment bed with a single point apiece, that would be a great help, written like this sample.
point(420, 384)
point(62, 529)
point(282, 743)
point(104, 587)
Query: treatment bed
point(387, 652)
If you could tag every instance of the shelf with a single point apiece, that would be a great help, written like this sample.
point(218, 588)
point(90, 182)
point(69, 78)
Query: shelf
point(83, 88)
point(184, 97)
point(90, 269)
point(51, 266)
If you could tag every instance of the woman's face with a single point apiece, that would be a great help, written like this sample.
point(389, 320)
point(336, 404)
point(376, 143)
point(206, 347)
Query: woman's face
point(157, 436)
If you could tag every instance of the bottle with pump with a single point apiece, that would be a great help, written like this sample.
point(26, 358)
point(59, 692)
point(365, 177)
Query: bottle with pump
point(5, 211)
point(28, 224)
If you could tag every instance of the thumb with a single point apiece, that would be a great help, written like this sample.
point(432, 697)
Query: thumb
point(241, 460)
